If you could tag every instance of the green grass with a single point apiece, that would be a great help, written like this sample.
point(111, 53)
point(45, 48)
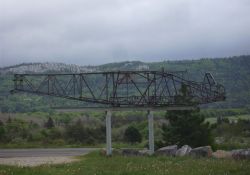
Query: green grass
point(97, 164)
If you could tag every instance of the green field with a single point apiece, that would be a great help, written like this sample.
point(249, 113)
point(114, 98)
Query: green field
point(231, 118)
point(97, 164)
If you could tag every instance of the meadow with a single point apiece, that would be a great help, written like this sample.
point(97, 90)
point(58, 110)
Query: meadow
point(95, 163)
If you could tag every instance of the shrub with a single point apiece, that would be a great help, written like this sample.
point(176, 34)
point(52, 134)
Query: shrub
point(132, 135)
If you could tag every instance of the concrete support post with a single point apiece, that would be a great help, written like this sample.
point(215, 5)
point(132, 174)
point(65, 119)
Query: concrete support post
point(108, 133)
point(151, 132)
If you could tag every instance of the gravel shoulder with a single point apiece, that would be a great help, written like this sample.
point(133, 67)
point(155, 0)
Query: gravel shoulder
point(36, 157)
point(36, 161)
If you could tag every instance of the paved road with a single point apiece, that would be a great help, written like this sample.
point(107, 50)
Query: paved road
point(5, 153)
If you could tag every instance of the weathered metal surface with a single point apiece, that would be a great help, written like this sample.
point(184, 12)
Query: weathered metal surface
point(146, 89)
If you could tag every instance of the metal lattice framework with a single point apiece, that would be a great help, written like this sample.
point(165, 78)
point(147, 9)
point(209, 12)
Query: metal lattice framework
point(122, 88)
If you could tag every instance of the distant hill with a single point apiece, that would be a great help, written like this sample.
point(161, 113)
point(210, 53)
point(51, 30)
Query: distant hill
point(46, 67)
point(233, 73)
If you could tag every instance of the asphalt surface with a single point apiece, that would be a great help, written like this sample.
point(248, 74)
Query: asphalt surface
point(47, 152)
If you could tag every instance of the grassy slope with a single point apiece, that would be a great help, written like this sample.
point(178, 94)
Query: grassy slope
point(101, 165)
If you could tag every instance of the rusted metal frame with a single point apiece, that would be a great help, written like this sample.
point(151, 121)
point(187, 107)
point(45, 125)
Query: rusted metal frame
point(54, 87)
point(120, 81)
point(159, 84)
point(85, 82)
point(145, 92)
point(127, 87)
point(85, 99)
point(78, 85)
point(105, 72)
point(113, 88)
point(75, 86)
point(21, 82)
point(209, 83)
point(102, 90)
point(49, 77)
point(69, 84)
point(80, 80)
point(60, 86)
point(154, 89)
point(115, 84)
point(43, 83)
point(176, 93)
point(189, 83)
point(107, 86)
point(163, 90)
point(28, 83)
point(142, 74)
point(211, 94)
point(136, 87)
point(166, 81)
point(72, 84)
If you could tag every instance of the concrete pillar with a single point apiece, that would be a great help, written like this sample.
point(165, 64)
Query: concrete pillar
point(108, 133)
point(151, 132)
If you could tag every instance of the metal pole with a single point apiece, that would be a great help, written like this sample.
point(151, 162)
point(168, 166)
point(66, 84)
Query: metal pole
point(108, 133)
point(151, 132)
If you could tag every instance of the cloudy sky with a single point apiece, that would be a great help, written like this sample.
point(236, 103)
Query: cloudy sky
point(100, 31)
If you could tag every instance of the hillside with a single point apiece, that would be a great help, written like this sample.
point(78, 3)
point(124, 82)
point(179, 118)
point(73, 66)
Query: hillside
point(232, 72)
point(46, 67)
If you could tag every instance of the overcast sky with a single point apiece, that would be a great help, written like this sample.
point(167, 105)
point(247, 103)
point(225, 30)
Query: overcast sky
point(92, 32)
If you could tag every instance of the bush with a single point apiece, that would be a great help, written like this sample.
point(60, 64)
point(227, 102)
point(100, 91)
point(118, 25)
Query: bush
point(132, 135)
point(58, 142)
point(18, 140)
point(50, 123)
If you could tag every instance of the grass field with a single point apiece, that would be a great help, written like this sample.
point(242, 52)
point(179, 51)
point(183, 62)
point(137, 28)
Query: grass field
point(231, 118)
point(96, 164)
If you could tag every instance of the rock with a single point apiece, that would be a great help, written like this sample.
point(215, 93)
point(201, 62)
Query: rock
point(116, 151)
point(130, 152)
point(144, 152)
point(183, 151)
point(102, 151)
point(222, 154)
point(204, 151)
point(241, 154)
point(167, 151)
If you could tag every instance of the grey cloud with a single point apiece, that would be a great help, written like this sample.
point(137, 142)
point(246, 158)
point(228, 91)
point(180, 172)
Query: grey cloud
point(95, 32)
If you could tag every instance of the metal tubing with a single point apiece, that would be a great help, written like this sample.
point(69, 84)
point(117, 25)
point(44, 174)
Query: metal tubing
point(108, 134)
point(151, 132)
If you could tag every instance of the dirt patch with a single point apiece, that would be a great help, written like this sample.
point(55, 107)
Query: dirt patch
point(36, 161)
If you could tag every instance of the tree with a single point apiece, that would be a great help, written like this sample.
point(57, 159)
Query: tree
point(2, 131)
point(186, 126)
point(77, 132)
point(50, 123)
point(132, 135)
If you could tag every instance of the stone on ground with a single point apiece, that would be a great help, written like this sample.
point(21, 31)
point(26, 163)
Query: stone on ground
point(167, 151)
point(183, 151)
point(130, 152)
point(241, 154)
point(220, 154)
point(204, 151)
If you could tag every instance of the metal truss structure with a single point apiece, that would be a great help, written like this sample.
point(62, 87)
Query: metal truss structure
point(122, 88)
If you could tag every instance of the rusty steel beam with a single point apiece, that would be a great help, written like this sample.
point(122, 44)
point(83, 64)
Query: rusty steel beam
point(117, 89)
